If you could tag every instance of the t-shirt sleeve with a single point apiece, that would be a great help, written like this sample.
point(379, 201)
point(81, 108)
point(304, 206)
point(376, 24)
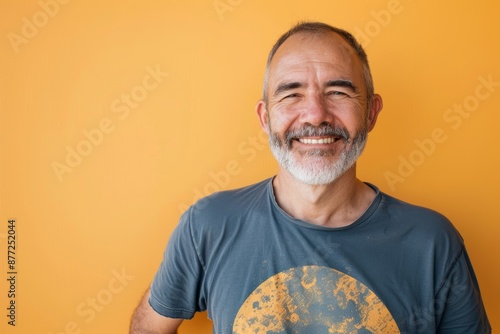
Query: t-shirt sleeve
point(460, 302)
point(176, 288)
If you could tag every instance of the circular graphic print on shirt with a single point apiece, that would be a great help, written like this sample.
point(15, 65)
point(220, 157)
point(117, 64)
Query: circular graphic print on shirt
point(313, 299)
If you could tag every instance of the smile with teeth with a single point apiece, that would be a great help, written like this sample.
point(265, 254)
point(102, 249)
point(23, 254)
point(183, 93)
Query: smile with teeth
point(327, 140)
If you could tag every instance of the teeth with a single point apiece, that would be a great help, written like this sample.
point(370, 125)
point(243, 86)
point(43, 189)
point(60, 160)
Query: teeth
point(328, 140)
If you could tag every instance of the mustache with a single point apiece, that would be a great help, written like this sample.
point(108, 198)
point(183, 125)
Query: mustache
point(324, 129)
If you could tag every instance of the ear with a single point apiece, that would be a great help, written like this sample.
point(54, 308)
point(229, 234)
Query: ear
point(261, 109)
point(375, 109)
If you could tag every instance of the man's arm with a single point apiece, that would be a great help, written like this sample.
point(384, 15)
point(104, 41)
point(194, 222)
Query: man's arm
point(146, 321)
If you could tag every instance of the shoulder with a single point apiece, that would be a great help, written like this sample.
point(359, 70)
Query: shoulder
point(423, 224)
point(420, 234)
point(402, 209)
point(230, 203)
point(226, 216)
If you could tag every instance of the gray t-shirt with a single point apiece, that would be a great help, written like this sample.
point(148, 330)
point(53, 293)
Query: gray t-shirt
point(399, 268)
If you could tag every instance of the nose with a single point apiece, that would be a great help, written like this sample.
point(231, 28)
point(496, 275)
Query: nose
point(315, 111)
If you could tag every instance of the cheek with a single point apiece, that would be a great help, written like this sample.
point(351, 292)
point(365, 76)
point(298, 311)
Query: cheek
point(280, 119)
point(350, 113)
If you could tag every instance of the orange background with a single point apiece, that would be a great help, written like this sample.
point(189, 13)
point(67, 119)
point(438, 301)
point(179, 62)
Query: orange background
point(91, 235)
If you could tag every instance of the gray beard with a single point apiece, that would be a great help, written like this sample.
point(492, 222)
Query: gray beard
point(317, 173)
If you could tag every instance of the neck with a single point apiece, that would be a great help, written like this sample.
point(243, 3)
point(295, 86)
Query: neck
point(336, 204)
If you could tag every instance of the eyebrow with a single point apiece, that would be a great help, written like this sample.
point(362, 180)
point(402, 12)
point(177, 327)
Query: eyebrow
point(341, 83)
point(286, 86)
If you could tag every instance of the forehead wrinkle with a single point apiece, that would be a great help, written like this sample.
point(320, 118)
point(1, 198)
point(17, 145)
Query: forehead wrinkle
point(331, 44)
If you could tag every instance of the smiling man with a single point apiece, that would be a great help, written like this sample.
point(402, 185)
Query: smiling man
point(318, 107)
point(314, 249)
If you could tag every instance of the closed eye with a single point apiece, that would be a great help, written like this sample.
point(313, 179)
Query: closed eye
point(289, 96)
point(337, 93)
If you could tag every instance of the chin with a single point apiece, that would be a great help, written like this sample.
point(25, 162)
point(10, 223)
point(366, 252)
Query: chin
point(315, 178)
point(316, 171)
